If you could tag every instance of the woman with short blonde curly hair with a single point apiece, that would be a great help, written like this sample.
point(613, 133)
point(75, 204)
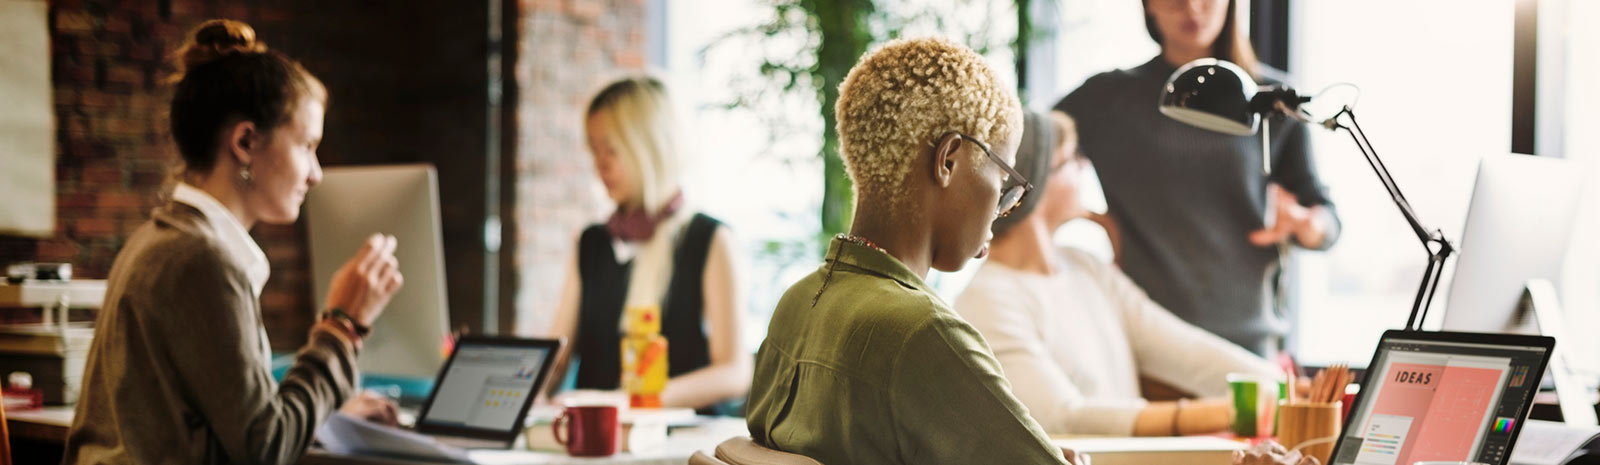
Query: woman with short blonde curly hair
point(863, 363)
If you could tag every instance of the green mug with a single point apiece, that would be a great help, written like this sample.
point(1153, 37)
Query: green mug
point(1255, 403)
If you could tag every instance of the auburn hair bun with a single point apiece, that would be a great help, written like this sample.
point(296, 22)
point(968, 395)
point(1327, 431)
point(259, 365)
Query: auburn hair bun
point(217, 39)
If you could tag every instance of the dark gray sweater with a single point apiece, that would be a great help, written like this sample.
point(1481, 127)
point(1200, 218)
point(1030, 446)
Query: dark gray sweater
point(1187, 199)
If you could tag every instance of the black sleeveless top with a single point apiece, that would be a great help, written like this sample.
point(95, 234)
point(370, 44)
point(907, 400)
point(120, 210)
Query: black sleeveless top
point(605, 288)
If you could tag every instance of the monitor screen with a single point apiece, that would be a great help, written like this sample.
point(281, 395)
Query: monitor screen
point(351, 204)
point(486, 387)
point(1429, 399)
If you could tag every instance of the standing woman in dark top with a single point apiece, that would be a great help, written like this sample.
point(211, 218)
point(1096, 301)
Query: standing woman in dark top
point(652, 251)
point(1191, 204)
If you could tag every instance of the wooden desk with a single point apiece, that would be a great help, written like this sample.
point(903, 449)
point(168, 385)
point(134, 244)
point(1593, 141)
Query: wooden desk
point(681, 443)
point(49, 426)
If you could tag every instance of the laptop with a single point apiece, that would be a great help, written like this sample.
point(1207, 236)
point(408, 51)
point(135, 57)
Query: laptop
point(1443, 396)
point(479, 401)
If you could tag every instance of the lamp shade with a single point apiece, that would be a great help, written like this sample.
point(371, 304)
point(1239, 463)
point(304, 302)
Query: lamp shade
point(1211, 94)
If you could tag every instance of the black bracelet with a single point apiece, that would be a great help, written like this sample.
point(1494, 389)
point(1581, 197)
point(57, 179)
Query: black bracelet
point(338, 313)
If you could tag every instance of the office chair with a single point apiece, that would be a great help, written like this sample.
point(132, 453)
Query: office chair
point(742, 451)
point(700, 458)
point(1113, 234)
point(5, 439)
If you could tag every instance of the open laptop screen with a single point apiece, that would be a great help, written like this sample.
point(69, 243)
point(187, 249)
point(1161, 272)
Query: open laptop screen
point(1443, 396)
point(487, 386)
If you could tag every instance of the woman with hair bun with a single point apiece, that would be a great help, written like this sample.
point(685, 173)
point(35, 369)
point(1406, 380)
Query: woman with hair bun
point(179, 370)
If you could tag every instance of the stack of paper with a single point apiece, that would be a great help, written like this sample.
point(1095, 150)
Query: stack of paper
point(348, 435)
point(1551, 443)
point(1197, 450)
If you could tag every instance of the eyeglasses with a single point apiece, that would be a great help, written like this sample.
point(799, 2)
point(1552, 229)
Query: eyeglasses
point(1074, 158)
point(1011, 197)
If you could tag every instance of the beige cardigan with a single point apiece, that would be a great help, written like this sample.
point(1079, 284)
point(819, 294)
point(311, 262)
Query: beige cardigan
point(1074, 344)
point(176, 373)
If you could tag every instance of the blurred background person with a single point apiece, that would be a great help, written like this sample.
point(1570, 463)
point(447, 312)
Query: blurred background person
point(1191, 205)
point(653, 251)
point(1073, 334)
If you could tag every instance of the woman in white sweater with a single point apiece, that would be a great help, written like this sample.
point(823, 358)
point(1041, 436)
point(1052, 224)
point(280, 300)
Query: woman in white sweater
point(1074, 335)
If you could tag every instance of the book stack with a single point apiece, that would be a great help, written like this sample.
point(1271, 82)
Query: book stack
point(1189, 450)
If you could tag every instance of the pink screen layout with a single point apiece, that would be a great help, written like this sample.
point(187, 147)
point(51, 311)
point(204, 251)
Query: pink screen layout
point(1446, 406)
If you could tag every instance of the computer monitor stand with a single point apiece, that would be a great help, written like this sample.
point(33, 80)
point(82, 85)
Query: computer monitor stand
point(1541, 304)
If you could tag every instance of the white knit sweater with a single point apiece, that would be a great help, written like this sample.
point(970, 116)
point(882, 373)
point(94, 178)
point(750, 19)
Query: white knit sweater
point(1073, 344)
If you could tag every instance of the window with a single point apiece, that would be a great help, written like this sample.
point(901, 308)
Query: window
point(1081, 39)
point(1411, 63)
point(756, 166)
point(1581, 295)
point(757, 171)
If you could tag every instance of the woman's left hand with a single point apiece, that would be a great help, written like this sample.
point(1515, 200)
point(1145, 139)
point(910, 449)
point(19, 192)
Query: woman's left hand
point(373, 407)
point(1290, 218)
point(1076, 458)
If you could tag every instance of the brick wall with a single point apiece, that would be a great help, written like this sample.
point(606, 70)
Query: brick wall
point(568, 50)
point(109, 65)
point(408, 85)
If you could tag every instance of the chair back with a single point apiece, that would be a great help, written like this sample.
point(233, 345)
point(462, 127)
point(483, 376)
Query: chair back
point(5, 439)
point(742, 451)
point(700, 458)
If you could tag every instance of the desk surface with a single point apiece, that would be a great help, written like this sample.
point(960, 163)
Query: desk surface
point(680, 445)
point(49, 425)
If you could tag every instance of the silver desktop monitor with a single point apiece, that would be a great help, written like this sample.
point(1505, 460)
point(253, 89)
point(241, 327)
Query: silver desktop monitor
point(351, 204)
point(1518, 227)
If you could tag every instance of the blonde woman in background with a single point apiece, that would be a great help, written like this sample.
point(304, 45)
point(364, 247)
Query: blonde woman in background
point(652, 251)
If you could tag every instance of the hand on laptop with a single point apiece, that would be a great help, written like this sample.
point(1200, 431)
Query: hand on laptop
point(1271, 453)
point(363, 286)
point(373, 407)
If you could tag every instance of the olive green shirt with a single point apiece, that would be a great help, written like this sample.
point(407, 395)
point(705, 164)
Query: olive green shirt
point(879, 370)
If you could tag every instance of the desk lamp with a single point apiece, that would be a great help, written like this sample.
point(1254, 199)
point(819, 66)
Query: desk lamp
point(1218, 96)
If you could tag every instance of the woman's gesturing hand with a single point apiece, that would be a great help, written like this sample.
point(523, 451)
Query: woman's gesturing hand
point(362, 287)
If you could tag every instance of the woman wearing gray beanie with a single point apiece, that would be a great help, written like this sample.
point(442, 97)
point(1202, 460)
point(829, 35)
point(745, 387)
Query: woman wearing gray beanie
point(1073, 334)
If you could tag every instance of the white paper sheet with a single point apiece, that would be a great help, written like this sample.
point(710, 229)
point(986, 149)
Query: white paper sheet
point(27, 123)
point(347, 435)
point(1548, 443)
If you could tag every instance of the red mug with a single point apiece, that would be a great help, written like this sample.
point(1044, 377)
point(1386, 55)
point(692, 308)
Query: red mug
point(592, 430)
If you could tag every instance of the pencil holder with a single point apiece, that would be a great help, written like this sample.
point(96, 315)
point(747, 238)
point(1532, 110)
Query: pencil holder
point(1312, 428)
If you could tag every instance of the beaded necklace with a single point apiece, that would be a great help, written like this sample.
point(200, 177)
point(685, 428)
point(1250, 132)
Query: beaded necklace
point(853, 239)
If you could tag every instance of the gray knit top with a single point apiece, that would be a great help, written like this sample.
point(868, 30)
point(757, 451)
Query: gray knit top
point(1186, 200)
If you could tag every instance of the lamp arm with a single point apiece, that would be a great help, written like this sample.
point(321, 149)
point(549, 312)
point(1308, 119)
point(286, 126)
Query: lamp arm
point(1380, 169)
point(1439, 249)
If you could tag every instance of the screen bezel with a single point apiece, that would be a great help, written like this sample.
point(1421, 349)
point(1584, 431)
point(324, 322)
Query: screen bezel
point(551, 346)
point(1548, 343)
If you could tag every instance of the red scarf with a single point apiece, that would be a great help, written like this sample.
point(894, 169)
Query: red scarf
point(639, 225)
